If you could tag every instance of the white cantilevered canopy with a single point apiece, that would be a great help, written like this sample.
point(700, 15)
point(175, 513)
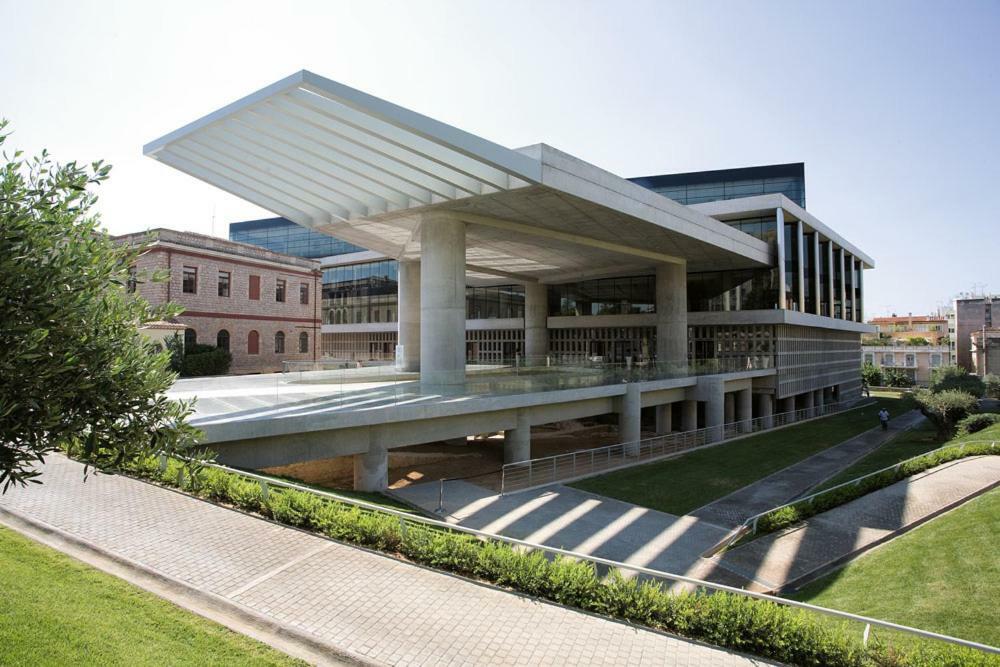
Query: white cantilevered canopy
point(348, 164)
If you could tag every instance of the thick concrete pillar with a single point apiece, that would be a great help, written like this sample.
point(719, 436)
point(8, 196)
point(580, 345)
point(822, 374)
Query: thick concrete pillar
point(788, 407)
point(371, 469)
point(442, 301)
point(808, 404)
point(729, 403)
point(715, 414)
point(664, 418)
point(765, 408)
point(517, 441)
point(671, 314)
point(818, 402)
point(536, 317)
point(408, 345)
point(630, 416)
point(744, 410)
point(689, 415)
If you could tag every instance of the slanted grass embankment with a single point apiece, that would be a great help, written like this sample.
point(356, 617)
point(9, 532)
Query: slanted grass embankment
point(687, 482)
point(943, 576)
point(58, 611)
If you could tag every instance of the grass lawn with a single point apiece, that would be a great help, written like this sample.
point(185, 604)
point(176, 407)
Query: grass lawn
point(57, 611)
point(685, 483)
point(943, 576)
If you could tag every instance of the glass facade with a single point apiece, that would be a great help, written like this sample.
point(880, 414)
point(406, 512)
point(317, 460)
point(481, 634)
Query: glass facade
point(791, 266)
point(361, 293)
point(748, 289)
point(284, 236)
point(490, 303)
point(837, 281)
point(605, 296)
point(808, 263)
point(764, 228)
point(858, 312)
point(848, 287)
point(824, 278)
point(705, 186)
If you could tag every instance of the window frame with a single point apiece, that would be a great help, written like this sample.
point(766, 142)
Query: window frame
point(279, 342)
point(228, 284)
point(304, 294)
point(280, 290)
point(304, 342)
point(253, 287)
point(185, 270)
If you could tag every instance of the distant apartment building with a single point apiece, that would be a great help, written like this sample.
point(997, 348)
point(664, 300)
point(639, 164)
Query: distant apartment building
point(917, 362)
point(931, 328)
point(985, 351)
point(260, 305)
point(972, 314)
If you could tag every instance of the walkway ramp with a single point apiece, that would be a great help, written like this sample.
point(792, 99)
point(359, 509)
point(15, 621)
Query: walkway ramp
point(568, 518)
point(794, 481)
point(791, 558)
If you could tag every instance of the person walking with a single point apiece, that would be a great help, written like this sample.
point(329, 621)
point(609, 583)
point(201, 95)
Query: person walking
point(883, 418)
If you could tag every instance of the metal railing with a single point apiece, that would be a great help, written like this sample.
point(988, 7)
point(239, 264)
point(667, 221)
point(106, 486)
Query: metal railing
point(749, 527)
point(404, 517)
point(532, 473)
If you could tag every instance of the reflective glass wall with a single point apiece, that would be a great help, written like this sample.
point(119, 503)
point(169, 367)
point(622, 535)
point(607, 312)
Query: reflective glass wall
point(361, 293)
point(286, 237)
point(749, 289)
point(605, 296)
point(705, 186)
point(791, 266)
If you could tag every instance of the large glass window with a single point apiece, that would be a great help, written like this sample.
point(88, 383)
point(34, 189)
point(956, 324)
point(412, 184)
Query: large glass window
point(223, 283)
point(749, 289)
point(501, 301)
point(284, 236)
point(848, 288)
point(837, 278)
point(791, 266)
point(605, 296)
point(764, 228)
point(808, 264)
point(699, 187)
point(222, 339)
point(361, 293)
point(824, 278)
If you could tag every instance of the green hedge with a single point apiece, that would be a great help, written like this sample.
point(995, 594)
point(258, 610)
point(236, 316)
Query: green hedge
point(202, 360)
point(792, 514)
point(733, 621)
point(977, 422)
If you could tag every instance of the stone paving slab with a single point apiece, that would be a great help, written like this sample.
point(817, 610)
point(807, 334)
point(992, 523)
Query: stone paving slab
point(383, 610)
point(794, 481)
point(793, 557)
point(568, 518)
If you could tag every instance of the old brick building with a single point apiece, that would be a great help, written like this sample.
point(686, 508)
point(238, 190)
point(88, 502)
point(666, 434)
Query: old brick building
point(261, 305)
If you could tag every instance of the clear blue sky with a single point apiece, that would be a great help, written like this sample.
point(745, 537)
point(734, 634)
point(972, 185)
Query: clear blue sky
point(893, 106)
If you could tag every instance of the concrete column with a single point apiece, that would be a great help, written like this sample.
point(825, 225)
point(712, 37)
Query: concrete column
point(729, 403)
point(780, 242)
point(671, 314)
point(664, 418)
point(817, 299)
point(843, 286)
point(442, 301)
point(517, 441)
point(829, 275)
point(765, 407)
point(801, 269)
point(715, 414)
point(689, 415)
point(744, 410)
point(408, 346)
point(630, 416)
point(808, 404)
point(371, 469)
point(860, 301)
point(788, 406)
point(818, 401)
point(536, 317)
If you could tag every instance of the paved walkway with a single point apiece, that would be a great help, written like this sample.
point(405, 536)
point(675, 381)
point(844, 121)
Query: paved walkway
point(792, 482)
point(379, 609)
point(561, 516)
point(791, 558)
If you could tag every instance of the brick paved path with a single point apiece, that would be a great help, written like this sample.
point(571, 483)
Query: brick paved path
point(380, 609)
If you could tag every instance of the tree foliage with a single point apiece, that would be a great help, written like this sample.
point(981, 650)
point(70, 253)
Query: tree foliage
point(76, 372)
point(991, 383)
point(945, 408)
point(871, 375)
point(947, 378)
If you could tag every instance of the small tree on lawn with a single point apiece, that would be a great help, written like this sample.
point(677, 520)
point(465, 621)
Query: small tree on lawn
point(956, 377)
point(871, 375)
point(897, 378)
point(76, 372)
point(945, 408)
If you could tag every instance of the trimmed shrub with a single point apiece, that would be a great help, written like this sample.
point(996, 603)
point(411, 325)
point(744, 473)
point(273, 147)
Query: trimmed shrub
point(201, 360)
point(948, 378)
point(978, 422)
point(737, 622)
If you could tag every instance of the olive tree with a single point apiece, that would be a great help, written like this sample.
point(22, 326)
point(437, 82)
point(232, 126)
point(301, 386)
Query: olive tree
point(945, 408)
point(76, 372)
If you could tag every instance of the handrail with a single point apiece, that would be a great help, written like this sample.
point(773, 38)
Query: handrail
point(694, 438)
point(404, 516)
point(750, 525)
